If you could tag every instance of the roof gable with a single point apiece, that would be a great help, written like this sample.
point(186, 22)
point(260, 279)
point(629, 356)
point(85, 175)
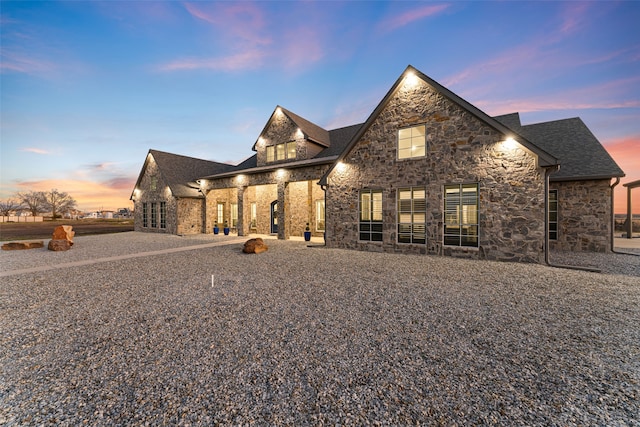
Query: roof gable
point(544, 158)
point(180, 172)
point(311, 131)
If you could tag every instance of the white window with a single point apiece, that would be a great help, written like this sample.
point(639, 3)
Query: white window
point(271, 153)
point(280, 152)
point(412, 142)
point(254, 216)
point(234, 214)
point(412, 215)
point(291, 150)
point(461, 215)
point(154, 216)
point(220, 218)
point(145, 215)
point(163, 214)
point(319, 215)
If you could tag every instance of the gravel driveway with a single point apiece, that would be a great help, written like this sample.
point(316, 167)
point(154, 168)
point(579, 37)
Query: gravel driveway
point(312, 336)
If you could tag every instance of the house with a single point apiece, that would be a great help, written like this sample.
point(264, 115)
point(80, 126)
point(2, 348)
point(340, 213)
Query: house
point(426, 173)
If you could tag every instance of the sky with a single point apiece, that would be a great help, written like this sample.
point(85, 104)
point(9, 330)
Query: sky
point(88, 87)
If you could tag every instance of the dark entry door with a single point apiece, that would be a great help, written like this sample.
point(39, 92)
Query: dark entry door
point(274, 217)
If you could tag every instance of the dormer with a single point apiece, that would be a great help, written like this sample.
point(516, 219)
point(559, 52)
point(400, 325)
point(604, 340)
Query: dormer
point(288, 137)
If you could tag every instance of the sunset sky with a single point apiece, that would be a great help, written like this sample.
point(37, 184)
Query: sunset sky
point(87, 88)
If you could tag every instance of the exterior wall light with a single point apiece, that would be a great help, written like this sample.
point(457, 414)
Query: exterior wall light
point(341, 167)
point(240, 179)
point(281, 173)
point(410, 80)
point(510, 144)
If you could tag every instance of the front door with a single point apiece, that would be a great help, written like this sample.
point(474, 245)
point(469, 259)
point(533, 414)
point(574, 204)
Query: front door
point(274, 217)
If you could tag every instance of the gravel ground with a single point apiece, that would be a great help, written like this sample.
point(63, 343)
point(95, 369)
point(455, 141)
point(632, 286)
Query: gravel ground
point(314, 336)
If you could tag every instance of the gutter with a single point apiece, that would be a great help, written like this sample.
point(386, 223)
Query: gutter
point(548, 171)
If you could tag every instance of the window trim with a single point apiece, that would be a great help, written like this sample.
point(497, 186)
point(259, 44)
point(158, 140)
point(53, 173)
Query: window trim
point(412, 212)
point(366, 226)
point(220, 214)
point(163, 214)
point(154, 215)
point(253, 222)
point(411, 146)
point(460, 217)
point(284, 149)
point(145, 215)
point(321, 215)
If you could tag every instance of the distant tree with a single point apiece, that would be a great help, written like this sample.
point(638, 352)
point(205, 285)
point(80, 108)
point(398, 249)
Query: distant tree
point(8, 206)
point(34, 201)
point(58, 202)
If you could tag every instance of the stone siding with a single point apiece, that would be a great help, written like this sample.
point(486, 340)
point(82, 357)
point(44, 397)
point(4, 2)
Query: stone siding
point(460, 149)
point(584, 216)
point(148, 194)
point(190, 216)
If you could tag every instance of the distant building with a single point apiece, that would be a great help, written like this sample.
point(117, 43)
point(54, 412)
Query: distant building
point(427, 173)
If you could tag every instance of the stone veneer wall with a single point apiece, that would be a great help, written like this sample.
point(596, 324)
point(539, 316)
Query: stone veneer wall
point(460, 149)
point(161, 193)
point(281, 130)
point(584, 215)
point(190, 215)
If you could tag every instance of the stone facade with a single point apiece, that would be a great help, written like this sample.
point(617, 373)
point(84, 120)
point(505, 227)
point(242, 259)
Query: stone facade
point(154, 190)
point(460, 149)
point(584, 216)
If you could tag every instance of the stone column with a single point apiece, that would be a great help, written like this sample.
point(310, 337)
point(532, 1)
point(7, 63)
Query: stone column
point(208, 222)
point(242, 230)
point(629, 214)
point(283, 198)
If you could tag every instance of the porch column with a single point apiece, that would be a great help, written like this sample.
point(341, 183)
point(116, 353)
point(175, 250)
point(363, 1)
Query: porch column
point(629, 214)
point(242, 230)
point(208, 215)
point(283, 198)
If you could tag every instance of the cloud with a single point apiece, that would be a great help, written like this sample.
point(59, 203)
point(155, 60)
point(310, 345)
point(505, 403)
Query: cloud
point(394, 22)
point(608, 95)
point(35, 150)
point(239, 61)
point(23, 63)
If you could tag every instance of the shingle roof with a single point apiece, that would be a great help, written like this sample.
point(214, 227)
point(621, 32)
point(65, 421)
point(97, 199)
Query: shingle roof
point(310, 130)
point(180, 172)
point(581, 155)
point(339, 138)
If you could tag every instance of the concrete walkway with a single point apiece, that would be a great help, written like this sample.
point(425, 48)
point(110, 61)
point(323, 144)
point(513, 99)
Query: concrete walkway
point(624, 243)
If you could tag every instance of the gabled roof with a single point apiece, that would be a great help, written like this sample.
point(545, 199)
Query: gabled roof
point(181, 172)
point(339, 138)
point(544, 158)
point(310, 130)
point(582, 155)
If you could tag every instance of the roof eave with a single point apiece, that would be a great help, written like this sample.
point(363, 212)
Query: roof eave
point(273, 167)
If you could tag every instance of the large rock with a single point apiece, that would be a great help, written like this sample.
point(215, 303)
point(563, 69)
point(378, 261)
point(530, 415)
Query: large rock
point(59, 245)
point(254, 246)
point(64, 232)
point(16, 246)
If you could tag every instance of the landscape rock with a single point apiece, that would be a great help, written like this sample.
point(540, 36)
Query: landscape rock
point(64, 232)
point(254, 246)
point(59, 245)
point(13, 246)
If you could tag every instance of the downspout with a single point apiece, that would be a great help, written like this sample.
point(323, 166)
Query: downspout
point(548, 171)
point(613, 223)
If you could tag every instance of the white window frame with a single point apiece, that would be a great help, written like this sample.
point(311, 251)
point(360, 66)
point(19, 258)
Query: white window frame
point(163, 214)
point(220, 214)
point(412, 142)
point(320, 215)
point(234, 215)
point(412, 215)
point(253, 225)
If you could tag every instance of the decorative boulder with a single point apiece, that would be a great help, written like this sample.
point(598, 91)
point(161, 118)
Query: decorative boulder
point(64, 232)
point(254, 246)
point(15, 246)
point(59, 245)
